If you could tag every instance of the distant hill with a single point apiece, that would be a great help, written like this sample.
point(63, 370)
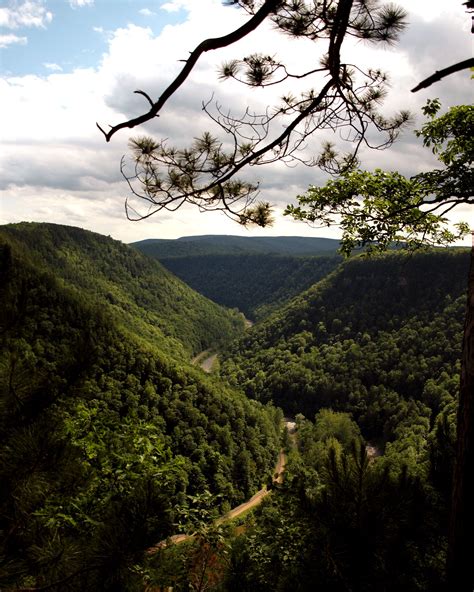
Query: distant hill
point(253, 274)
point(254, 284)
point(236, 245)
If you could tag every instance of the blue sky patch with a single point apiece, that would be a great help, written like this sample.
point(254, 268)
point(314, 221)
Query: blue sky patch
point(75, 37)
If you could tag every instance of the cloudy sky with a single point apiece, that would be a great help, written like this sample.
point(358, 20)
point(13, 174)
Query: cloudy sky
point(65, 64)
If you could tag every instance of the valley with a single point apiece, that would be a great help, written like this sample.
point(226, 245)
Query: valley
point(113, 439)
point(254, 275)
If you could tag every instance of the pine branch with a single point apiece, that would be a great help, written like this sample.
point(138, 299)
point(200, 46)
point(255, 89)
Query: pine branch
point(267, 8)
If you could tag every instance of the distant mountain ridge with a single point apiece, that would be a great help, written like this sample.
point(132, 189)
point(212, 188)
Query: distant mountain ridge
point(232, 245)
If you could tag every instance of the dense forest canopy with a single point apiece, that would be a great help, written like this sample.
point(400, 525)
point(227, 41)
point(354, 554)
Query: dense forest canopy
point(112, 441)
point(370, 355)
point(253, 274)
point(105, 433)
point(139, 292)
point(389, 322)
point(254, 284)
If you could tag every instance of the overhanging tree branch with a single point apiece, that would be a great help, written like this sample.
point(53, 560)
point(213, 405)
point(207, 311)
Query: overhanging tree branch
point(266, 9)
point(439, 74)
point(344, 100)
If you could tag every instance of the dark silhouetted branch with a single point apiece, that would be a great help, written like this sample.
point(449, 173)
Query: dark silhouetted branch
point(439, 74)
point(267, 8)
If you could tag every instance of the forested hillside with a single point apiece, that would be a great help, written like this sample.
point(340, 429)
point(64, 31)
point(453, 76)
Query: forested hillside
point(376, 335)
point(107, 438)
point(138, 291)
point(370, 354)
point(111, 441)
point(254, 284)
point(256, 275)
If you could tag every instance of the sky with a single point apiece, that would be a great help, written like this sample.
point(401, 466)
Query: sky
point(67, 64)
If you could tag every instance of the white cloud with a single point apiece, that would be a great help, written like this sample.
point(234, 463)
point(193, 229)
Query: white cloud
point(60, 206)
point(146, 12)
point(431, 10)
point(72, 175)
point(31, 13)
point(6, 40)
point(52, 67)
point(174, 6)
point(80, 3)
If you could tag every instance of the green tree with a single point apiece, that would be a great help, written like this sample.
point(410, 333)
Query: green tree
point(381, 208)
point(331, 424)
point(340, 522)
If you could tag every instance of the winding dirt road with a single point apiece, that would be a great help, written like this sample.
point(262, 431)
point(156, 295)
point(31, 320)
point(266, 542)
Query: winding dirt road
point(206, 360)
point(255, 500)
point(207, 363)
point(258, 497)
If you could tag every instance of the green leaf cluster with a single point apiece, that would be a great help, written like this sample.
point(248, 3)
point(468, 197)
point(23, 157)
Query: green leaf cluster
point(382, 208)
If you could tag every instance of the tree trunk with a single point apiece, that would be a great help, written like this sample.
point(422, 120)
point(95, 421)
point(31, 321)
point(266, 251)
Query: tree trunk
point(460, 564)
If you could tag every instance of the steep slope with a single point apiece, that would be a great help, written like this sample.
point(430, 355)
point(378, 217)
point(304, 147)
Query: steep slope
point(139, 291)
point(374, 334)
point(378, 341)
point(108, 441)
